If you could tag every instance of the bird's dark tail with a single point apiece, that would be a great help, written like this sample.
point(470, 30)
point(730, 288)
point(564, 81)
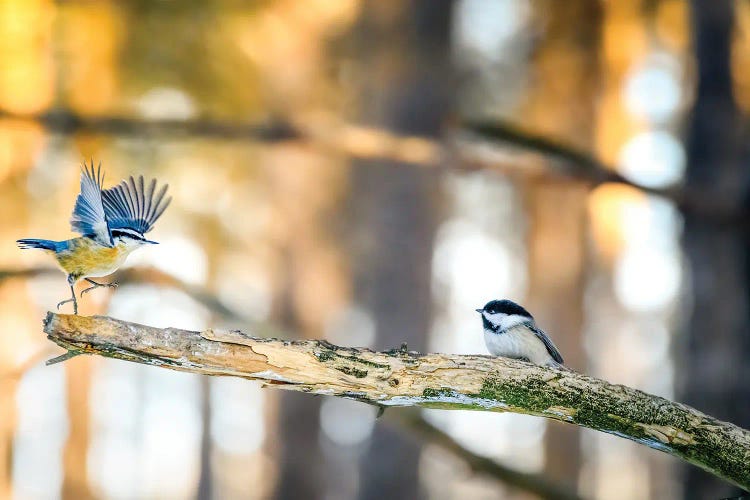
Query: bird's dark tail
point(32, 243)
point(559, 366)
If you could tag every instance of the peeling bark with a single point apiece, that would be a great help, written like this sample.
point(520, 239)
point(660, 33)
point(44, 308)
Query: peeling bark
point(403, 378)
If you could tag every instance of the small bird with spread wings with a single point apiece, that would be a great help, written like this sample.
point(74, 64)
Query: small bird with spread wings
point(113, 223)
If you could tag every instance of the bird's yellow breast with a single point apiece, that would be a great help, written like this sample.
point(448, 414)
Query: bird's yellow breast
point(85, 257)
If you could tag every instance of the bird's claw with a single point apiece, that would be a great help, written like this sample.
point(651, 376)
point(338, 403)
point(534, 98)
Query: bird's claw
point(99, 285)
point(75, 305)
point(63, 302)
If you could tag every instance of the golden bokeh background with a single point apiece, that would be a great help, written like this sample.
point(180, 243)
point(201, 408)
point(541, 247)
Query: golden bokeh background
point(327, 184)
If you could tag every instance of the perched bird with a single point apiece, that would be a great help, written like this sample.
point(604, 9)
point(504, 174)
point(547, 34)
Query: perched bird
point(113, 223)
point(510, 331)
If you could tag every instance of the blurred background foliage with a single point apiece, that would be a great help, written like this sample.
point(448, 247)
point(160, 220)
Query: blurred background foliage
point(330, 180)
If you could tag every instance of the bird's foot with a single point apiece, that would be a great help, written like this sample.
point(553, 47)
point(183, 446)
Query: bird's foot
point(75, 305)
point(94, 285)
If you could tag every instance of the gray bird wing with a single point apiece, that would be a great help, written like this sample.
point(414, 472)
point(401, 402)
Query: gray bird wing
point(551, 349)
point(135, 205)
point(88, 216)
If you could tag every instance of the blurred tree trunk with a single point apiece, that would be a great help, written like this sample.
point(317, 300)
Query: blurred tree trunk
point(406, 47)
point(75, 481)
point(715, 372)
point(557, 264)
point(301, 467)
point(301, 461)
point(565, 73)
point(208, 480)
point(205, 480)
point(314, 286)
point(8, 388)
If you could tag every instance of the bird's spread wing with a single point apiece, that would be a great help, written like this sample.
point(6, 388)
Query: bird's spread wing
point(551, 349)
point(134, 205)
point(88, 216)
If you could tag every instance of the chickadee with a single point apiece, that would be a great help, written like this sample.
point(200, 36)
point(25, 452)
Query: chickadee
point(510, 331)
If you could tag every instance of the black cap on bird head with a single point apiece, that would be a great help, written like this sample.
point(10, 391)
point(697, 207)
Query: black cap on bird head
point(504, 307)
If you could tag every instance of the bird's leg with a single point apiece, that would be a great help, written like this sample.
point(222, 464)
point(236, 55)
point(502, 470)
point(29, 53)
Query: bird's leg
point(97, 285)
point(72, 299)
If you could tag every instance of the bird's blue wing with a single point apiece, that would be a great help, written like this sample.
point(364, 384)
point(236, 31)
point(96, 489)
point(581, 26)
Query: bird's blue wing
point(551, 349)
point(88, 216)
point(133, 205)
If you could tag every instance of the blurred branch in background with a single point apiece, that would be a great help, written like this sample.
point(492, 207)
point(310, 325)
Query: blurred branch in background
point(67, 122)
point(33, 359)
point(572, 163)
point(29, 272)
point(484, 145)
point(153, 276)
point(539, 484)
point(401, 378)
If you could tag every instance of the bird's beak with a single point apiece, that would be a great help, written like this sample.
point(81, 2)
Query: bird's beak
point(152, 242)
point(479, 310)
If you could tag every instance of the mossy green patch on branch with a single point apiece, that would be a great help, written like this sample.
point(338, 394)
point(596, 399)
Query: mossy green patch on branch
point(349, 364)
point(330, 355)
point(531, 395)
point(325, 356)
point(629, 413)
point(591, 410)
point(365, 362)
point(350, 370)
point(733, 461)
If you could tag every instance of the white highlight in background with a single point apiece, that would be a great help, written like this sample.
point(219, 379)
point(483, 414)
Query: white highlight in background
point(351, 325)
point(646, 279)
point(237, 423)
point(654, 159)
point(176, 255)
point(346, 423)
point(489, 27)
point(41, 432)
point(166, 103)
point(473, 266)
point(653, 89)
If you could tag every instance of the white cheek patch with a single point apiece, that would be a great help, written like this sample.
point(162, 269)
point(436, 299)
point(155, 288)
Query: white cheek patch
point(505, 321)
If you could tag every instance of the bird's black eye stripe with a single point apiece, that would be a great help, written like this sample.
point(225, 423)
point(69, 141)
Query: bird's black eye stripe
point(130, 234)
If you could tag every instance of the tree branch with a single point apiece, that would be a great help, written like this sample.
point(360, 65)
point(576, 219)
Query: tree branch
point(534, 483)
point(400, 378)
